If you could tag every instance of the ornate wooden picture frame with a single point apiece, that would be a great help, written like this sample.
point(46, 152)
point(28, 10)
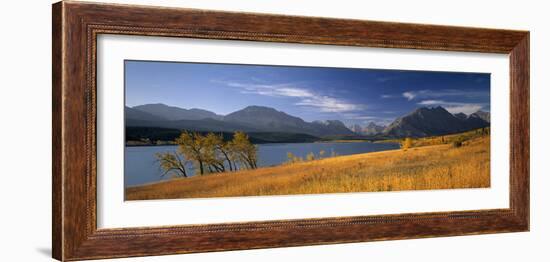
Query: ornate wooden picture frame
point(76, 26)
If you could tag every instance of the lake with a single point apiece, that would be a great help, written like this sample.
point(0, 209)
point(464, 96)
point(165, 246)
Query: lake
point(140, 164)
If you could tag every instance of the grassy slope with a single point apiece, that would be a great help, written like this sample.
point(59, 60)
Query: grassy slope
point(427, 167)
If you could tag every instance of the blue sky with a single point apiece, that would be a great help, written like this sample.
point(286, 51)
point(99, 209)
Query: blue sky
point(354, 96)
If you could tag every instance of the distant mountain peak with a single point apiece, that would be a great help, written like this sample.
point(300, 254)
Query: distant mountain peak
point(329, 122)
point(267, 118)
point(372, 124)
point(373, 129)
point(426, 121)
point(356, 128)
point(176, 113)
point(132, 113)
point(260, 108)
point(461, 116)
point(431, 109)
point(483, 115)
point(265, 111)
point(153, 105)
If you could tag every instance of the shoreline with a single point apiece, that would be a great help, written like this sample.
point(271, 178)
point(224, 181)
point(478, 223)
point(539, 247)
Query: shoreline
point(320, 141)
point(427, 167)
point(263, 168)
point(273, 165)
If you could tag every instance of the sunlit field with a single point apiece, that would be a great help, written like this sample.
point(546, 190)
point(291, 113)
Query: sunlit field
point(447, 162)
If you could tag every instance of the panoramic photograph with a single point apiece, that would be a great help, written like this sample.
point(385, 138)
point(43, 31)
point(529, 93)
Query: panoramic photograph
point(201, 130)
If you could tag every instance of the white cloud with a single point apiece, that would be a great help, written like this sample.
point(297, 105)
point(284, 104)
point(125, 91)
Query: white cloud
point(294, 92)
point(432, 102)
point(433, 98)
point(466, 109)
point(454, 107)
point(329, 104)
point(305, 97)
point(409, 95)
point(425, 94)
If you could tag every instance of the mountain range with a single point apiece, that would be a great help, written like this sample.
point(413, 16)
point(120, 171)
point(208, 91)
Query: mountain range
point(370, 129)
point(249, 119)
point(435, 121)
point(421, 122)
point(175, 113)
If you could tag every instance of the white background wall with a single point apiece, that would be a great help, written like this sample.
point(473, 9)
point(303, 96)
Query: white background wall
point(25, 147)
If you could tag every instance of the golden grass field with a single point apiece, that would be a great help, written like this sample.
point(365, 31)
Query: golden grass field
point(432, 163)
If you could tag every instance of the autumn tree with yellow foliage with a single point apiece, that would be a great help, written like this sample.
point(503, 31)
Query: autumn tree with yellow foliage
point(209, 154)
point(245, 152)
point(407, 143)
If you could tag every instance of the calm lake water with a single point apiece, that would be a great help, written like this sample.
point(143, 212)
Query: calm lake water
point(140, 166)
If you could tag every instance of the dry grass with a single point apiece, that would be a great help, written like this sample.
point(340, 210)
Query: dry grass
point(429, 167)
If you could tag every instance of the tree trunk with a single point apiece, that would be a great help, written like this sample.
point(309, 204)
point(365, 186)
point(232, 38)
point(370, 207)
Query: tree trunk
point(201, 167)
point(227, 159)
